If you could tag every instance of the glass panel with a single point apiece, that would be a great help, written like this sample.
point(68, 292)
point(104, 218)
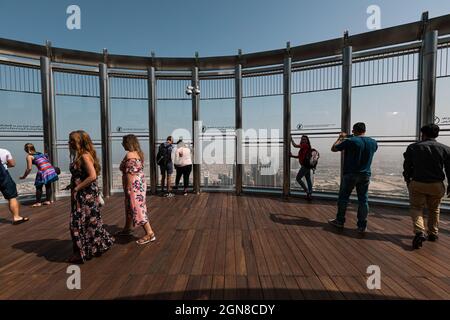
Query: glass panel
point(128, 116)
point(77, 113)
point(174, 117)
point(327, 176)
point(316, 111)
point(263, 166)
point(444, 138)
point(263, 149)
point(218, 143)
point(443, 102)
point(387, 172)
point(21, 113)
point(388, 110)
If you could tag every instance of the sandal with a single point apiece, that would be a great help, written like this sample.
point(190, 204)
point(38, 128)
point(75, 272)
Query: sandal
point(124, 233)
point(23, 220)
point(146, 239)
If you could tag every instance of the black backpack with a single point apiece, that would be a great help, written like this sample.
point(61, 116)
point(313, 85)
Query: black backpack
point(164, 155)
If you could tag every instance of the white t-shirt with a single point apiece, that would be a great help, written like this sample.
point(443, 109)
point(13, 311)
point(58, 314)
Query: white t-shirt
point(5, 156)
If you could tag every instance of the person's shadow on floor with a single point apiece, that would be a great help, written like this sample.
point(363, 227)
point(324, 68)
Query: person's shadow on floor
point(53, 250)
point(306, 222)
point(121, 240)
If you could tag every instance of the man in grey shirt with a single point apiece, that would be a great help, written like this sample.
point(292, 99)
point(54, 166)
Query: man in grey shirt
point(424, 167)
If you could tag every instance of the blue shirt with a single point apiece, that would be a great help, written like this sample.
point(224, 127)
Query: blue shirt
point(358, 154)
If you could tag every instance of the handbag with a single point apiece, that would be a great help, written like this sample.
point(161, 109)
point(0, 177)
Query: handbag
point(101, 200)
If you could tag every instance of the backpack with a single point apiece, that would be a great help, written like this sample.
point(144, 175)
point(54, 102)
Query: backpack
point(164, 155)
point(312, 159)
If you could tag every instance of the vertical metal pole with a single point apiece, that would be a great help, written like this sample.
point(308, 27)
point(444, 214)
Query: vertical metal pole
point(195, 118)
point(428, 78)
point(346, 105)
point(287, 126)
point(48, 111)
point(238, 125)
point(151, 83)
point(105, 129)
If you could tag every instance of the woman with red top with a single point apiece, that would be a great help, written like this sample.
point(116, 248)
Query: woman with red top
point(305, 169)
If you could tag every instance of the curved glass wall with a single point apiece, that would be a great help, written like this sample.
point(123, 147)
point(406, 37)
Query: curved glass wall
point(21, 119)
point(384, 96)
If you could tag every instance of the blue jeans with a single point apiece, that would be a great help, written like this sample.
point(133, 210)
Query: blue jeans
point(304, 172)
point(349, 182)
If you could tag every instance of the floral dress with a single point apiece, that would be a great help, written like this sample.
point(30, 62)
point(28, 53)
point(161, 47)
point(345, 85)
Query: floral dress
point(135, 190)
point(89, 237)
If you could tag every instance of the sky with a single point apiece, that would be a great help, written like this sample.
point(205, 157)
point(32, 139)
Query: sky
point(211, 27)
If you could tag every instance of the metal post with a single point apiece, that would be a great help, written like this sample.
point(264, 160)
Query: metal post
point(287, 126)
point(151, 83)
point(195, 118)
point(105, 128)
point(48, 111)
point(428, 78)
point(346, 105)
point(238, 125)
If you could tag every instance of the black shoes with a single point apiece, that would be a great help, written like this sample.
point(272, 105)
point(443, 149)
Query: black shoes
point(418, 240)
point(432, 237)
point(362, 230)
point(337, 224)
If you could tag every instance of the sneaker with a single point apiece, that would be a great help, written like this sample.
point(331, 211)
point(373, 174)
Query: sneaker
point(185, 194)
point(418, 240)
point(432, 237)
point(169, 195)
point(336, 223)
point(362, 230)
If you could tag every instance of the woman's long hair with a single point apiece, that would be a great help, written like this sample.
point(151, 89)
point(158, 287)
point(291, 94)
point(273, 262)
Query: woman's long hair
point(80, 143)
point(131, 143)
point(307, 140)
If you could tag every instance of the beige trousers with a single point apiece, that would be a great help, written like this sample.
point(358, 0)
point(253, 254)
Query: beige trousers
point(430, 195)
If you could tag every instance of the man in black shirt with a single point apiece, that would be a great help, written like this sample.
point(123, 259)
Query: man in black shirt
point(424, 166)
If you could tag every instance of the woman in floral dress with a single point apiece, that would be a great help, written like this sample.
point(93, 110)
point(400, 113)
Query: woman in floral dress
point(89, 237)
point(135, 188)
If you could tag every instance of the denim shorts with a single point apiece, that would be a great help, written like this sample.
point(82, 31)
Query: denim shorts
point(8, 188)
point(166, 168)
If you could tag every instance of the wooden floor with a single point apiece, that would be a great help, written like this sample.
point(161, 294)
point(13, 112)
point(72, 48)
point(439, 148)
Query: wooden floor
point(219, 246)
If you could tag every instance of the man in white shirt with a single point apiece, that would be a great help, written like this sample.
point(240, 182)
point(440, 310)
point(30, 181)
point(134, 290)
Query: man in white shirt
point(8, 187)
point(7, 159)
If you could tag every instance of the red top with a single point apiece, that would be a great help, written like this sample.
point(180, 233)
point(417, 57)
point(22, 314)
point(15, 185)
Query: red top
point(304, 148)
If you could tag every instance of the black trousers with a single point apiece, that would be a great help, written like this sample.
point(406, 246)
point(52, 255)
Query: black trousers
point(48, 192)
point(185, 172)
